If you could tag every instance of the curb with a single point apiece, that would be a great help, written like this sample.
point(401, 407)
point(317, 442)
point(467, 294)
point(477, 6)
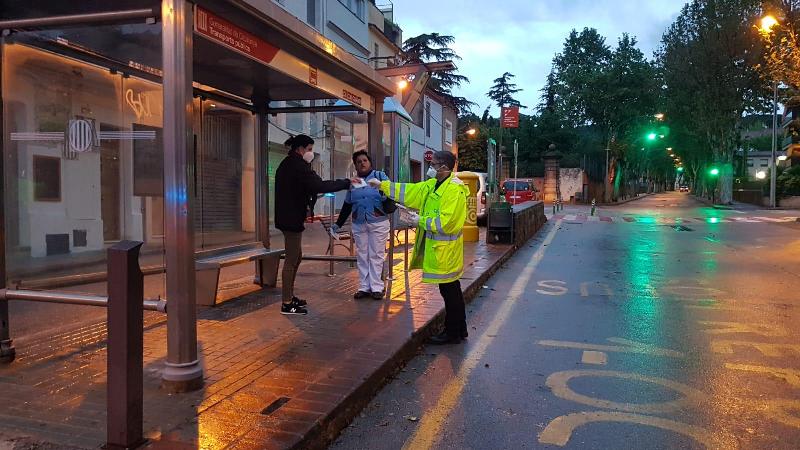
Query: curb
point(626, 201)
point(327, 429)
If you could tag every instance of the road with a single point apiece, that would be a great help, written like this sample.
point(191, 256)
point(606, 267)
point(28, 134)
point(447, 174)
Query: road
point(666, 324)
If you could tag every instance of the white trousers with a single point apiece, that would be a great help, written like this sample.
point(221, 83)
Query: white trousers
point(371, 241)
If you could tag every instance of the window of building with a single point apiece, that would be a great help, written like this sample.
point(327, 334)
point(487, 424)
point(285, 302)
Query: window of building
point(427, 119)
point(355, 6)
point(311, 13)
point(46, 178)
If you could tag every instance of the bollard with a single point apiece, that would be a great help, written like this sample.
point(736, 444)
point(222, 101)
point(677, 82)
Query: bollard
point(593, 206)
point(554, 206)
point(125, 411)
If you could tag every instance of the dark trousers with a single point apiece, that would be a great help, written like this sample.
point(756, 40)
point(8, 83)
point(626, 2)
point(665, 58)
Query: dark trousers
point(293, 243)
point(455, 315)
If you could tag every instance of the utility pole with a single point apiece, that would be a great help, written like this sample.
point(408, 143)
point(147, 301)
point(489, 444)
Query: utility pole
point(774, 158)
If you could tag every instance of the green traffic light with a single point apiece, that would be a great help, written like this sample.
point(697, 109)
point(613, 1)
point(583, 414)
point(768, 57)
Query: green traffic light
point(680, 169)
point(651, 136)
point(714, 171)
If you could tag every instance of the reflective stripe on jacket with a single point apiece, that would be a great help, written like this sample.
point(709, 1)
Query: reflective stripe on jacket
point(439, 247)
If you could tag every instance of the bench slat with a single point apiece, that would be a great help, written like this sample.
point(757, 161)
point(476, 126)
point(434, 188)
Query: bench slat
point(229, 259)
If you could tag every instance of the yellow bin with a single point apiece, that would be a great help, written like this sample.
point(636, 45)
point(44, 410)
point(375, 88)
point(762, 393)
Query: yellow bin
point(471, 226)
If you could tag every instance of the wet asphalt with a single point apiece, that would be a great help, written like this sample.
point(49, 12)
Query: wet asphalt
point(650, 334)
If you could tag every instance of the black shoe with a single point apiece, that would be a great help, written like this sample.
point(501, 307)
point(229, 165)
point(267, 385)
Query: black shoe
point(378, 295)
point(361, 294)
point(293, 308)
point(300, 301)
point(444, 339)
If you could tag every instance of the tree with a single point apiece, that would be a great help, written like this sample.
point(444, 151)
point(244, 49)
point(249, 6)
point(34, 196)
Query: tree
point(429, 47)
point(708, 59)
point(781, 45)
point(503, 90)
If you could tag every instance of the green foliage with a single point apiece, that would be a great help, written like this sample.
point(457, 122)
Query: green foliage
point(503, 90)
point(788, 183)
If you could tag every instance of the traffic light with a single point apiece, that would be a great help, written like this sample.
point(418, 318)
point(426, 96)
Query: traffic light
point(713, 172)
point(680, 169)
point(652, 136)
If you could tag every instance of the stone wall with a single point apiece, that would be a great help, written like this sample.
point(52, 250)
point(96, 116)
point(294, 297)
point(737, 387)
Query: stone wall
point(528, 219)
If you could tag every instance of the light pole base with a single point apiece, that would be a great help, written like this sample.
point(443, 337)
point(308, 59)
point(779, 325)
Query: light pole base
point(185, 377)
point(7, 351)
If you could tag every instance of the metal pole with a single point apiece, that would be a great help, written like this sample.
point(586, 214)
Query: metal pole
point(7, 351)
point(332, 209)
point(125, 400)
point(606, 181)
point(773, 166)
point(182, 371)
point(262, 190)
point(71, 298)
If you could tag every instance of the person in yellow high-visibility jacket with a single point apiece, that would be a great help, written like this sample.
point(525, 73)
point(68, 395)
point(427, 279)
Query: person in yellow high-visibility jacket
point(439, 247)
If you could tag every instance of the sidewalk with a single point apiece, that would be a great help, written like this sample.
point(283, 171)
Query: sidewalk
point(316, 371)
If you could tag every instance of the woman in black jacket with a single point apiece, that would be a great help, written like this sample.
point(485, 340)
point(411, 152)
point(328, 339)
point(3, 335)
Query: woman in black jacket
point(295, 184)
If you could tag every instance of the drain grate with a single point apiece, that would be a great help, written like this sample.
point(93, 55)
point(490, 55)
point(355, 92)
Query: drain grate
point(274, 406)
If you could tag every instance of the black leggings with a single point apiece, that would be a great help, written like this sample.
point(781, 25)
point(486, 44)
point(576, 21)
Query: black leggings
point(455, 315)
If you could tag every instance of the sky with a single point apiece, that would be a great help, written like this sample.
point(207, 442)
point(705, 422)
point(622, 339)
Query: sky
point(522, 36)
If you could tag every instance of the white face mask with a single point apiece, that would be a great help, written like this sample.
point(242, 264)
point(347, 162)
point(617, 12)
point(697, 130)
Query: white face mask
point(431, 173)
point(308, 157)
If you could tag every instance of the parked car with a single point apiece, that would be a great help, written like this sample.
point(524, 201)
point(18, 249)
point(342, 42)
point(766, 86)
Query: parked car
point(684, 188)
point(520, 190)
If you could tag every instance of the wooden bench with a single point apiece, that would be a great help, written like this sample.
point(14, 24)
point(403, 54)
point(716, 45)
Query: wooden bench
point(208, 266)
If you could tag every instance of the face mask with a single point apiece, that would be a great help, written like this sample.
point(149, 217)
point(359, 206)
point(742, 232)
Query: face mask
point(431, 173)
point(308, 157)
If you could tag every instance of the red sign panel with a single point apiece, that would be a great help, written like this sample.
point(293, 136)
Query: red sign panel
point(429, 156)
point(223, 32)
point(313, 76)
point(509, 117)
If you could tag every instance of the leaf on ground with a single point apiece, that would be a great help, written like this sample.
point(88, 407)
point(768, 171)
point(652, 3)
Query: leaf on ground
point(411, 418)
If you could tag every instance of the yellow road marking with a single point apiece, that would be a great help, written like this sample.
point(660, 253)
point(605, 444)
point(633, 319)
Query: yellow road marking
point(593, 357)
point(790, 376)
point(772, 350)
point(431, 423)
point(560, 430)
point(558, 383)
point(625, 346)
point(736, 327)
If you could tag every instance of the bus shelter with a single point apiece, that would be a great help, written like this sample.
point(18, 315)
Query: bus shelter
point(147, 120)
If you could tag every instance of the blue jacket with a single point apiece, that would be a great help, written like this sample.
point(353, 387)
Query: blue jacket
point(366, 204)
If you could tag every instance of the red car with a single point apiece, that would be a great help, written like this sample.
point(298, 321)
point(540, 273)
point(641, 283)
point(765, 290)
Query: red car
point(520, 190)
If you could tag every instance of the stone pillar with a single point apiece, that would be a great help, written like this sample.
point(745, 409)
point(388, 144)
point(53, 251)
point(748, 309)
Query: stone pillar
point(552, 164)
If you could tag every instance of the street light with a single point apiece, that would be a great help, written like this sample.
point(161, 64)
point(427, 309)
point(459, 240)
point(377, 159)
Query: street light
point(659, 116)
point(768, 22)
point(471, 131)
point(761, 175)
point(402, 84)
point(783, 158)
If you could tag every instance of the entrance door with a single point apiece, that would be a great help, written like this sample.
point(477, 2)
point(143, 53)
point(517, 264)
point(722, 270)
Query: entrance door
point(110, 188)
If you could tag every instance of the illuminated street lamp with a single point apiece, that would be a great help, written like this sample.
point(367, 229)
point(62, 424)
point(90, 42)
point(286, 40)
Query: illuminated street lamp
point(402, 84)
point(659, 116)
point(783, 158)
point(761, 175)
point(767, 23)
point(471, 132)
